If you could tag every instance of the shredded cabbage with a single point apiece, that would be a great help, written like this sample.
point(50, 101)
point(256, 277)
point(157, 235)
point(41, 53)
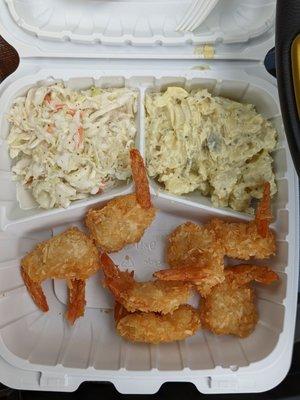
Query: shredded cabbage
point(197, 141)
point(69, 144)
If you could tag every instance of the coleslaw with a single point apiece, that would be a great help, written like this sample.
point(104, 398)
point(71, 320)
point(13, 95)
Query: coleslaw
point(69, 144)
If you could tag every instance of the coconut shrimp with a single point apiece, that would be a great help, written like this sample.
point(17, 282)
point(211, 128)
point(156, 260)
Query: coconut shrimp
point(230, 307)
point(156, 328)
point(235, 239)
point(153, 296)
point(197, 247)
point(201, 249)
point(244, 240)
point(124, 219)
point(70, 255)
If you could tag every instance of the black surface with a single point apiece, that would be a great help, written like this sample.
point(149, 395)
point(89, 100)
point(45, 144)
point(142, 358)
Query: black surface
point(270, 62)
point(287, 28)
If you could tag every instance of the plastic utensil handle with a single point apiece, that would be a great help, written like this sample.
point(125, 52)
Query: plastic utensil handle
point(287, 40)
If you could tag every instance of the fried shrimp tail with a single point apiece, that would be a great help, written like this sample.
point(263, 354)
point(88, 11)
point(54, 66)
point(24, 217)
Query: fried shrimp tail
point(119, 312)
point(36, 292)
point(242, 274)
point(263, 215)
point(77, 301)
point(72, 256)
point(204, 278)
point(142, 190)
point(153, 296)
point(230, 307)
point(185, 274)
point(156, 328)
point(123, 220)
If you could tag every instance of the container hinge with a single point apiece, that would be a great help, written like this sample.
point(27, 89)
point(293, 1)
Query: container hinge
point(52, 380)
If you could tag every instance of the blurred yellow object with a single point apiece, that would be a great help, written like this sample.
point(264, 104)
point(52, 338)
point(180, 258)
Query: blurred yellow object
point(296, 70)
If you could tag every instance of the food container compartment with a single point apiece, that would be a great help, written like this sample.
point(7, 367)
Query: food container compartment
point(239, 90)
point(17, 201)
point(28, 335)
point(140, 22)
point(63, 356)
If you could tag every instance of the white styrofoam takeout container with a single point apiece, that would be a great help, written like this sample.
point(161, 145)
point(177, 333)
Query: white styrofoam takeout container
point(140, 22)
point(40, 351)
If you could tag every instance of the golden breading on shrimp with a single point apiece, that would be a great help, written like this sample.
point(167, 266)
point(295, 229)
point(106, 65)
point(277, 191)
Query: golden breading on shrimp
point(230, 311)
point(230, 307)
point(124, 219)
point(155, 328)
point(195, 247)
point(190, 241)
point(153, 296)
point(244, 240)
point(70, 255)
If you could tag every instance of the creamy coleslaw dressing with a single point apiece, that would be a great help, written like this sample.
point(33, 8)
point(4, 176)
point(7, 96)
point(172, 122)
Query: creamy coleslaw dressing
point(209, 143)
point(70, 144)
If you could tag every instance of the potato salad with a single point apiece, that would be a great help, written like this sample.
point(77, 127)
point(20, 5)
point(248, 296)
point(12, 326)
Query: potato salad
point(68, 144)
point(197, 141)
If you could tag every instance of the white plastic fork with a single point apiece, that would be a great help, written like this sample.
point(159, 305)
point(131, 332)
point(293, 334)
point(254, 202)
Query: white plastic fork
point(196, 14)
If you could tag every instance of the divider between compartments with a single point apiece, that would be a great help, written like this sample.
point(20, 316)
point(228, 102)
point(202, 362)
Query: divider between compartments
point(144, 87)
point(142, 115)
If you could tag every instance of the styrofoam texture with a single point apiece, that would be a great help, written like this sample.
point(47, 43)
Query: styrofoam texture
point(64, 356)
point(140, 22)
point(243, 42)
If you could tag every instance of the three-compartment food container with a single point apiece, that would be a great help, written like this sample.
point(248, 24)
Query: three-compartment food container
point(135, 44)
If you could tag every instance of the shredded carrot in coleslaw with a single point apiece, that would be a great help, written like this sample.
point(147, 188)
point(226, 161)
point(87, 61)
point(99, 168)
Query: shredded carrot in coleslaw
point(70, 144)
